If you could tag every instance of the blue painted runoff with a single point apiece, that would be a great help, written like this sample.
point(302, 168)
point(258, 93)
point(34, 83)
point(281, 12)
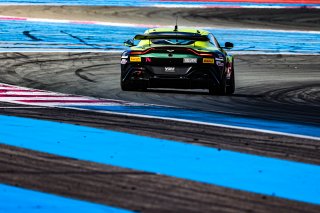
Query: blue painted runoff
point(14, 199)
point(25, 35)
point(210, 117)
point(269, 176)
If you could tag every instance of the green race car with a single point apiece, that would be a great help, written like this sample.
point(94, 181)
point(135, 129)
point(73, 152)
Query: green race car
point(177, 58)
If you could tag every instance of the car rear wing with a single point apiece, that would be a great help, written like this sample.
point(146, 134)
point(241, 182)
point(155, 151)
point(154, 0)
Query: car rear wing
point(193, 37)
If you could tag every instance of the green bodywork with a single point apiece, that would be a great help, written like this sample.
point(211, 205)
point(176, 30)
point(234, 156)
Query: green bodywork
point(199, 46)
point(165, 58)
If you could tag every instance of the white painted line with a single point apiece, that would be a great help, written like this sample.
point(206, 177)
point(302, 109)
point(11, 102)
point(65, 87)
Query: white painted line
point(55, 98)
point(8, 89)
point(12, 94)
point(116, 24)
point(24, 107)
point(112, 102)
point(201, 123)
point(26, 92)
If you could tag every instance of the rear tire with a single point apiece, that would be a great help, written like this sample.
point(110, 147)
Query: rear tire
point(126, 86)
point(231, 87)
point(226, 87)
point(130, 86)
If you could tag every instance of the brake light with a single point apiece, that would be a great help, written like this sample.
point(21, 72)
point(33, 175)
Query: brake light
point(205, 54)
point(141, 52)
point(201, 54)
point(136, 53)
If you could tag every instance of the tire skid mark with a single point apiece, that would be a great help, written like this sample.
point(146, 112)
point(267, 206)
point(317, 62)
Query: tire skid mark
point(79, 39)
point(79, 72)
point(303, 95)
point(32, 37)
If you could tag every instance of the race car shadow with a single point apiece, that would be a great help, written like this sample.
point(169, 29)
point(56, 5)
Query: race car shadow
point(198, 92)
point(179, 91)
point(248, 96)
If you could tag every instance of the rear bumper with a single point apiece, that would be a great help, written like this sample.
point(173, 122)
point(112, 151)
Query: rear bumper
point(198, 77)
point(173, 83)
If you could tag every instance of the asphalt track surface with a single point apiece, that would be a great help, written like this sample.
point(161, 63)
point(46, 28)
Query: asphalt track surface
point(277, 87)
point(284, 88)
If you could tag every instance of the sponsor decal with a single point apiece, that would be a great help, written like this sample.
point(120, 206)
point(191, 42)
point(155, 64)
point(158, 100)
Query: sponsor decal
point(208, 60)
point(125, 55)
point(219, 63)
point(135, 59)
point(219, 59)
point(190, 60)
point(169, 69)
point(124, 61)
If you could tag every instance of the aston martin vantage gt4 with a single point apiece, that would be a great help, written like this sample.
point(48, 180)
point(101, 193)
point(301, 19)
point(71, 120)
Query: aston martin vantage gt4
point(177, 58)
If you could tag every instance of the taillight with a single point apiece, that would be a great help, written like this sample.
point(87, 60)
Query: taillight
point(206, 54)
point(140, 52)
point(136, 53)
point(200, 53)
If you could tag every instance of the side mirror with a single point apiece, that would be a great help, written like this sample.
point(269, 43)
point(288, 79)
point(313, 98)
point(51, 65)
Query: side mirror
point(228, 45)
point(129, 43)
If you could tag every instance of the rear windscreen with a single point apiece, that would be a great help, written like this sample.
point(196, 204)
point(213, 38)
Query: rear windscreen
point(172, 41)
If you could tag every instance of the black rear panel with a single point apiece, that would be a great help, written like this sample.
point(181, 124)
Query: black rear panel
point(172, 67)
point(169, 70)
